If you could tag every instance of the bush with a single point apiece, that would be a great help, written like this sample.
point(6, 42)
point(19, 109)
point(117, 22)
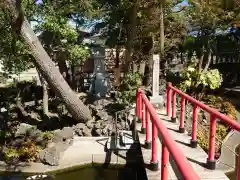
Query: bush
point(196, 82)
point(213, 101)
point(203, 137)
point(229, 109)
point(26, 151)
point(129, 86)
point(48, 135)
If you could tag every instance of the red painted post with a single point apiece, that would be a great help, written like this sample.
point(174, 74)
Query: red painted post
point(148, 130)
point(173, 118)
point(194, 127)
point(143, 129)
point(211, 162)
point(140, 106)
point(154, 160)
point(138, 103)
point(182, 115)
point(165, 161)
point(238, 168)
point(169, 92)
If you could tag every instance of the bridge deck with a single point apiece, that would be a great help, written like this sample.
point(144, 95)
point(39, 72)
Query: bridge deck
point(196, 156)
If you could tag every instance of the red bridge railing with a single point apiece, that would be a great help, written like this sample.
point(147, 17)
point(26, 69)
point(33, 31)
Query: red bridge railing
point(214, 115)
point(151, 122)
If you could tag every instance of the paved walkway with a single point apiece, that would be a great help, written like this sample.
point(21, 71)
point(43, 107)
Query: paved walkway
point(196, 156)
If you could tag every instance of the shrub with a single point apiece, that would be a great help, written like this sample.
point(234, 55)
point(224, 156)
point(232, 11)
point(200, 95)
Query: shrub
point(203, 137)
point(128, 87)
point(48, 135)
point(197, 82)
point(11, 154)
point(229, 109)
point(26, 151)
point(214, 101)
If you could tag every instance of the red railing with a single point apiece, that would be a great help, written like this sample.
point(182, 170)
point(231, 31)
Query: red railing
point(147, 113)
point(214, 115)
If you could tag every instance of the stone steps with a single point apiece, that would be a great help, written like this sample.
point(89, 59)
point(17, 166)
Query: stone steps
point(196, 156)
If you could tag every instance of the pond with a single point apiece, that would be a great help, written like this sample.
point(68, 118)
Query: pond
point(91, 173)
point(232, 175)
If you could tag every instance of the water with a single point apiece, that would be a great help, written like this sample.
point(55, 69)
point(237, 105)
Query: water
point(91, 173)
point(232, 175)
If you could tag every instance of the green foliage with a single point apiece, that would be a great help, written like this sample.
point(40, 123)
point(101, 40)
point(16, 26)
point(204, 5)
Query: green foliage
point(48, 135)
point(203, 140)
point(195, 81)
point(26, 151)
point(229, 109)
point(213, 101)
point(78, 54)
point(11, 154)
point(222, 105)
point(128, 87)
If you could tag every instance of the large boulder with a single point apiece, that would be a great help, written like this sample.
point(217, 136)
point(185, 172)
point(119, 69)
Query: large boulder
point(50, 156)
point(61, 142)
point(23, 128)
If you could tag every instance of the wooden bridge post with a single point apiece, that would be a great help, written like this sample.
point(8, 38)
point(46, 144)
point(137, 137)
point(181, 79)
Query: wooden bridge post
point(182, 115)
point(194, 127)
point(211, 162)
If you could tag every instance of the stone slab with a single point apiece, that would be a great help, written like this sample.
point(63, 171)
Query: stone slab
point(157, 100)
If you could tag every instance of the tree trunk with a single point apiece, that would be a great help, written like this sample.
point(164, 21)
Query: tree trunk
point(132, 30)
point(45, 94)
point(45, 98)
point(117, 70)
point(44, 63)
point(63, 67)
point(161, 36)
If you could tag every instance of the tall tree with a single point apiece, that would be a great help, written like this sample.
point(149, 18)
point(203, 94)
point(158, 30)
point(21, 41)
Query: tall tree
point(43, 62)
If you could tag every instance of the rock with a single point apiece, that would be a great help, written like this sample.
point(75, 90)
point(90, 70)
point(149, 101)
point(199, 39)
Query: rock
point(102, 115)
point(80, 126)
point(105, 132)
point(96, 132)
point(79, 132)
point(110, 119)
point(86, 131)
point(67, 133)
point(89, 124)
point(50, 156)
point(130, 117)
point(98, 125)
point(23, 129)
point(102, 102)
point(63, 135)
point(132, 112)
point(78, 129)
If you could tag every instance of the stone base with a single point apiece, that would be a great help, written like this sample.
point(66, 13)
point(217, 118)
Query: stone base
point(157, 100)
point(181, 130)
point(154, 166)
point(193, 143)
point(211, 164)
point(148, 144)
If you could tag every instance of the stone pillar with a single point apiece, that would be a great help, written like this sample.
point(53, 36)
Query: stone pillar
point(156, 99)
point(155, 86)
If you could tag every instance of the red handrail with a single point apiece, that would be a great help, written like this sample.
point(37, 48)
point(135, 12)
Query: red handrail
point(231, 122)
point(168, 144)
point(214, 114)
